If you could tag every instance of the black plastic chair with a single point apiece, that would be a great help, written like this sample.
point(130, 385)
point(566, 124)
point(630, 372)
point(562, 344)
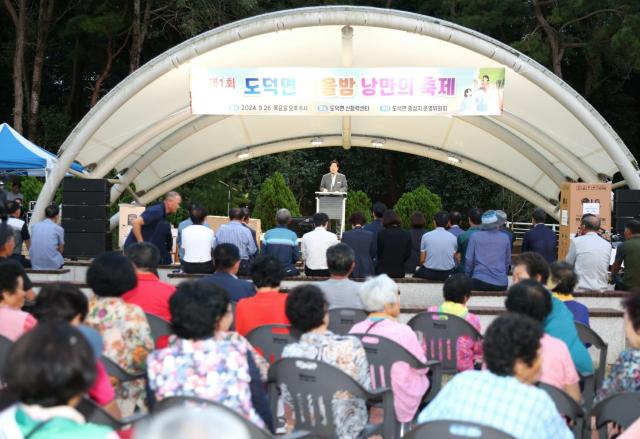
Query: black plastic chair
point(455, 430)
point(5, 345)
point(113, 369)
point(271, 340)
point(589, 336)
point(159, 326)
point(341, 320)
point(255, 432)
point(313, 384)
point(568, 407)
point(95, 414)
point(621, 408)
point(440, 332)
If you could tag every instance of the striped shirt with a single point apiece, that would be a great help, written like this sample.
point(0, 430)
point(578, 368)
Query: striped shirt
point(234, 232)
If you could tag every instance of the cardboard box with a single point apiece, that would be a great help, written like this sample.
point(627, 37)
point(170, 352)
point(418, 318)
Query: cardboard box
point(577, 199)
point(128, 212)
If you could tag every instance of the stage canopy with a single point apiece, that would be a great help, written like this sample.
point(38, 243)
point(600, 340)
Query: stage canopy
point(20, 156)
point(145, 130)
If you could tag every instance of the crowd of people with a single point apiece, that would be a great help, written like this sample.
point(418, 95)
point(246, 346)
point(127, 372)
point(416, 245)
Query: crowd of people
point(62, 338)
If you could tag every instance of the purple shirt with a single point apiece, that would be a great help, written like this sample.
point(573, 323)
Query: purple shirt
point(488, 257)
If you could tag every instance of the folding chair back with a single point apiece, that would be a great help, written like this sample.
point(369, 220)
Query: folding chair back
point(455, 430)
point(270, 340)
point(341, 320)
point(589, 336)
point(5, 346)
point(159, 326)
point(568, 407)
point(620, 408)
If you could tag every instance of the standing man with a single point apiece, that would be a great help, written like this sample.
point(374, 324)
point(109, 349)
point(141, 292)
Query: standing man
point(333, 181)
point(47, 241)
point(629, 253)
point(15, 193)
point(590, 255)
point(437, 251)
point(144, 227)
point(540, 238)
point(234, 232)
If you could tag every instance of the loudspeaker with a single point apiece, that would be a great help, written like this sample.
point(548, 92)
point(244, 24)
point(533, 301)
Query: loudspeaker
point(70, 184)
point(627, 196)
point(85, 198)
point(86, 244)
point(301, 225)
point(85, 212)
point(627, 209)
point(85, 225)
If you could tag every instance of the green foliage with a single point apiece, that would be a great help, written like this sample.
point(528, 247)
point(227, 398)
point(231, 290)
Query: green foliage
point(30, 188)
point(358, 201)
point(274, 194)
point(420, 199)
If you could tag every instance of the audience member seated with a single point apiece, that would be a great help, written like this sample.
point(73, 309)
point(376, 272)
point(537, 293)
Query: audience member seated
point(457, 292)
point(150, 293)
point(21, 232)
point(437, 251)
point(197, 364)
point(560, 322)
point(562, 281)
point(13, 321)
point(185, 422)
point(227, 260)
point(628, 253)
point(363, 243)
point(47, 372)
point(315, 245)
point(540, 238)
point(394, 246)
point(418, 229)
point(47, 241)
point(267, 306)
point(198, 242)
point(624, 375)
point(235, 232)
point(123, 326)
point(340, 291)
point(307, 311)
point(590, 255)
point(454, 224)
point(503, 396)
point(475, 225)
point(488, 255)
point(64, 301)
point(7, 244)
point(283, 243)
point(382, 298)
point(379, 208)
point(181, 226)
point(530, 298)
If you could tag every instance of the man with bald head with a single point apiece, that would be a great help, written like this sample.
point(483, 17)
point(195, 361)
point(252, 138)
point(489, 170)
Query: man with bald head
point(234, 232)
point(144, 227)
point(590, 255)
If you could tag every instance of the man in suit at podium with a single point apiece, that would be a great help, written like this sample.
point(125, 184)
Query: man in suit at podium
point(333, 181)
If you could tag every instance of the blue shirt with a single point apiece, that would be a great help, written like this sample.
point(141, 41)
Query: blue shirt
point(234, 232)
point(455, 230)
point(440, 246)
point(283, 244)
point(560, 324)
point(151, 217)
point(504, 403)
point(488, 257)
point(46, 238)
point(237, 289)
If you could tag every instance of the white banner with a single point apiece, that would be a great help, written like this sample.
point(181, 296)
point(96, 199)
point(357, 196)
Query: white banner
point(401, 91)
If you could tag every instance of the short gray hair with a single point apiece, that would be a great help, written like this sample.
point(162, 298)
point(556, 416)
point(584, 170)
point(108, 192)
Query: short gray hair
point(194, 423)
point(378, 291)
point(171, 194)
point(283, 216)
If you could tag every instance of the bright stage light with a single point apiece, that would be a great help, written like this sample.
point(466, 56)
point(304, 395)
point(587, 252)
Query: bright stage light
point(243, 155)
point(454, 160)
point(377, 143)
point(316, 141)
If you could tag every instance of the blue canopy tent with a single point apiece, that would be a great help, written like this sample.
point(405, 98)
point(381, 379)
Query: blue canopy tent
point(20, 156)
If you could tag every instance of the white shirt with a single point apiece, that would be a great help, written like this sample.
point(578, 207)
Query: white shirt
point(197, 242)
point(590, 256)
point(314, 248)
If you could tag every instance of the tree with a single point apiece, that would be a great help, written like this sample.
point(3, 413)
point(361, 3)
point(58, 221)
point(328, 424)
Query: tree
point(274, 194)
point(19, 17)
point(357, 201)
point(420, 199)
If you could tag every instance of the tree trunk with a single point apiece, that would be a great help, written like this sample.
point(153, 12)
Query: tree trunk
point(73, 99)
point(139, 29)
point(97, 88)
point(45, 17)
point(19, 18)
point(552, 37)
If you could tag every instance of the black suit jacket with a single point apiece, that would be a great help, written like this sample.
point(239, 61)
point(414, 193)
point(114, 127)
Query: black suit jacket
point(236, 288)
point(541, 239)
point(394, 249)
point(365, 246)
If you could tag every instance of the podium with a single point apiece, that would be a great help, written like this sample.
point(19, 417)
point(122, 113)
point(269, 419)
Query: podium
point(334, 205)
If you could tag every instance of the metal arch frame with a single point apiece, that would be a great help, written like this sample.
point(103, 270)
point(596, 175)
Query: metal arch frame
point(338, 15)
point(359, 140)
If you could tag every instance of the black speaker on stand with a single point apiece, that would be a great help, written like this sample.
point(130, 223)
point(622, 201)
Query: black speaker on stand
point(626, 207)
point(85, 217)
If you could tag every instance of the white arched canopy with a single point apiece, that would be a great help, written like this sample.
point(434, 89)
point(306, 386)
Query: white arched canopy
point(144, 128)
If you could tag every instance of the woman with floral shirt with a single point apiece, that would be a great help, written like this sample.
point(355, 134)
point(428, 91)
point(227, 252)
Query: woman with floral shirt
point(123, 326)
point(306, 309)
point(625, 372)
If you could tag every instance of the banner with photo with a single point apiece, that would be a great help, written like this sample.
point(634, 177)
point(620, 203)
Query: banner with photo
point(395, 91)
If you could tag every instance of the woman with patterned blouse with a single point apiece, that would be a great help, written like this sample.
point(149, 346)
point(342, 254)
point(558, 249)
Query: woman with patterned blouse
point(123, 326)
point(306, 309)
point(203, 359)
point(625, 372)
